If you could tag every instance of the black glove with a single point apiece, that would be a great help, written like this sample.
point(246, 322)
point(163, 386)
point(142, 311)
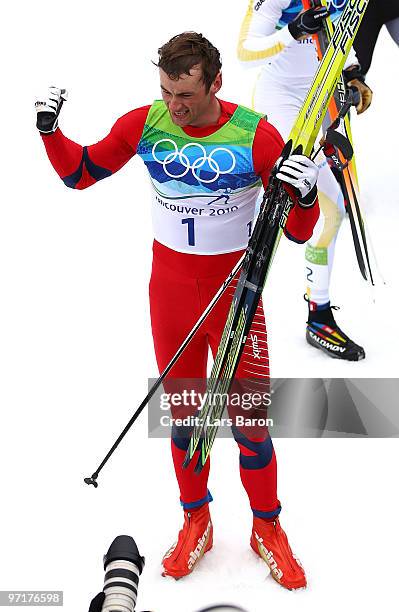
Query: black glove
point(308, 23)
point(354, 77)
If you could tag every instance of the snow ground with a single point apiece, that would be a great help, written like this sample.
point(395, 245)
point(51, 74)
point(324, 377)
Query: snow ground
point(76, 352)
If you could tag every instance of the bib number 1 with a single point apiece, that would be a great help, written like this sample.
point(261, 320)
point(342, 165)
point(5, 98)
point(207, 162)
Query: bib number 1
point(190, 230)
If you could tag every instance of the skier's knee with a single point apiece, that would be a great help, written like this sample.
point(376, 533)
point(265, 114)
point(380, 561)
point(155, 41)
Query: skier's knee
point(254, 454)
point(181, 437)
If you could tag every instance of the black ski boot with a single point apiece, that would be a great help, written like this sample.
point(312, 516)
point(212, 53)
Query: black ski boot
point(323, 333)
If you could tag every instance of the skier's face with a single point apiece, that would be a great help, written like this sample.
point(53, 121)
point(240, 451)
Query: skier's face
point(187, 100)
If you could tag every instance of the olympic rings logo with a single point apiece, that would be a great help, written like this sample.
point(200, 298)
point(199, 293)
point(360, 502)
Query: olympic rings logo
point(201, 159)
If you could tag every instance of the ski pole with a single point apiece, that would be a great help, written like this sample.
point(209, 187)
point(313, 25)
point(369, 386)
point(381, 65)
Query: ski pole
point(92, 480)
point(351, 99)
point(342, 173)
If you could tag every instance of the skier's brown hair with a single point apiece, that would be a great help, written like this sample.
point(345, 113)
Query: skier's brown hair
point(186, 50)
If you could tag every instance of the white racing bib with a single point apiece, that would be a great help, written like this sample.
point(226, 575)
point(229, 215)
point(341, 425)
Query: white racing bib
point(204, 189)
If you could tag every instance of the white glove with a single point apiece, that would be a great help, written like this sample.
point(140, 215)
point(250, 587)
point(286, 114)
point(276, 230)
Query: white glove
point(300, 172)
point(48, 109)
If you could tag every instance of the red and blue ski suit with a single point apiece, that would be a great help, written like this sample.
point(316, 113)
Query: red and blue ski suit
point(182, 285)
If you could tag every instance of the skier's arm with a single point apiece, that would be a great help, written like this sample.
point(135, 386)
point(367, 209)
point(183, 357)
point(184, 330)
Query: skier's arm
point(79, 167)
point(267, 149)
point(259, 37)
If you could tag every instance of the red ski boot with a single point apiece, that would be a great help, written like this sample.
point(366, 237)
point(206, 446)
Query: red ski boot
point(195, 539)
point(270, 542)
